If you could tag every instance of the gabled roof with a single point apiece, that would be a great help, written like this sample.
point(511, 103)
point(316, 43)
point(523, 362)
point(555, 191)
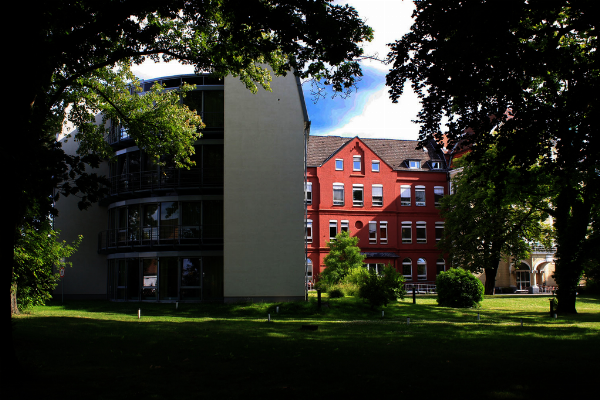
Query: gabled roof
point(393, 152)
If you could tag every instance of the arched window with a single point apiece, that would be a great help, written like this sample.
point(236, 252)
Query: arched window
point(422, 269)
point(407, 269)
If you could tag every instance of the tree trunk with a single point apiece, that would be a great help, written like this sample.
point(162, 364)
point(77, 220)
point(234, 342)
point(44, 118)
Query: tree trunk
point(490, 280)
point(14, 309)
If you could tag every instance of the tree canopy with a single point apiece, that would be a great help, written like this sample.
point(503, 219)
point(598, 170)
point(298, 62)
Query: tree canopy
point(73, 61)
point(344, 256)
point(523, 75)
point(495, 211)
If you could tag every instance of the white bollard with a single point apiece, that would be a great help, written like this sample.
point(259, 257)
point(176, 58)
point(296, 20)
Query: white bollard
point(139, 313)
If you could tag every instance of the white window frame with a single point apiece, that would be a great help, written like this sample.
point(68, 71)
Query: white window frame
point(438, 193)
point(372, 232)
point(421, 262)
point(308, 234)
point(377, 200)
point(403, 201)
point(340, 187)
point(339, 164)
point(414, 164)
point(344, 226)
point(309, 269)
point(439, 231)
point(375, 167)
point(440, 262)
point(333, 224)
point(356, 159)
point(421, 232)
point(436, 165)
point(308, 193)
point(383, 232)
point(406, 225)
point(377, 266)
point(355, 189)
point(420, 189)
point(407, 262)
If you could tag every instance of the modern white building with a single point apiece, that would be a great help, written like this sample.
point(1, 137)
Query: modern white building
point(230, 229)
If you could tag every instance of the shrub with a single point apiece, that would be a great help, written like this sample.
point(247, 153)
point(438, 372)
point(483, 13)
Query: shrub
point(458, 288)
point(335, 292)
point(379, 290)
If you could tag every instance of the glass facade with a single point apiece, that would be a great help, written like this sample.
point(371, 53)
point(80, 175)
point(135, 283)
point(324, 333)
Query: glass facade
point(166, 278)
point(163, 220)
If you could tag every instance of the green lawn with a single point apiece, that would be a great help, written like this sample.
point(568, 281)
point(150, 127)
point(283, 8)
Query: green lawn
point(101, 350)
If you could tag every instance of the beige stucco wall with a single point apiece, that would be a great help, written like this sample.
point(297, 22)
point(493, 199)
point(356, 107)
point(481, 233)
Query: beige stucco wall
point(542, 264)
point(87, 277)
point(263, 191)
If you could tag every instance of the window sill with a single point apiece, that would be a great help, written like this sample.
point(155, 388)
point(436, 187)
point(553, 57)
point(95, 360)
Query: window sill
point(359, 175)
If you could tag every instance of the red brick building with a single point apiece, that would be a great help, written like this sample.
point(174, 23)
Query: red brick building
point(385, 192)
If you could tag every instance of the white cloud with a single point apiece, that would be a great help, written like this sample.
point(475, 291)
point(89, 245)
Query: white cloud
point(382, 119)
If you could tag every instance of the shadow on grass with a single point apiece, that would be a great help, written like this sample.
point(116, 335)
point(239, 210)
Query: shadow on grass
point(230, 358)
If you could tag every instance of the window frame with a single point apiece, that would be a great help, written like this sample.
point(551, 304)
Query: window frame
point(339, 187)
point(308, 193)
point(439, 230)
point(436, 195)
point(345, 226)
point(421, 231)
point(407, 262)
point(383, 232)
point(406, 239)
point(339, 167)
point(372, 232)
point(420, 189)
point(358, 188)
point(414, 164)
point(308, 232)
point(333, 224)
point(404, 202)
point(421, 263)
point(377, 201)
point(375, 166)
point(356, 159)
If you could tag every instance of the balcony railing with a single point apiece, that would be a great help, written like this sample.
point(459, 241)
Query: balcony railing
point(165, 236)
point(542, 249)
point(166, 178)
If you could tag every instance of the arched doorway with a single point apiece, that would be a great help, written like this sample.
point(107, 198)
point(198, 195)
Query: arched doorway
point(523, 276)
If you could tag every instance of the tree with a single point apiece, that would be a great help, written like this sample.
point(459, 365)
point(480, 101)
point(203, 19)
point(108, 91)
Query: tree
point(497, 210)
point(524, 76)
point(39, 255)
point(344, 256)
point(74, 58)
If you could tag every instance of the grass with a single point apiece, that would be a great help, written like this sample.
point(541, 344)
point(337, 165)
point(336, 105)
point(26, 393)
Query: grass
point(101, 350)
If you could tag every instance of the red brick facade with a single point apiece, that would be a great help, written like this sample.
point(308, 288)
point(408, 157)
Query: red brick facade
point(356, 184)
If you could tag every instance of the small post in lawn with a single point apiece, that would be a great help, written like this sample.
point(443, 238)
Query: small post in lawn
point(407, 320)
point(268, 317)
point(551, 308)
point(277, 310)
point(414, 295)
point(139, 313)
point(382, 313)
point(478, 318)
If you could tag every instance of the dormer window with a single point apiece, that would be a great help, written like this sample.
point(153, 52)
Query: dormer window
point(435, 165)
point(414, 164)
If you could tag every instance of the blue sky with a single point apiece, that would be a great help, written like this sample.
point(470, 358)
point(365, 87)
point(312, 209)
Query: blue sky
point(368, 112)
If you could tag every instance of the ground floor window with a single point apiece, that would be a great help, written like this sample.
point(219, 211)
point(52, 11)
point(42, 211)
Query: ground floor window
point(166, 278)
